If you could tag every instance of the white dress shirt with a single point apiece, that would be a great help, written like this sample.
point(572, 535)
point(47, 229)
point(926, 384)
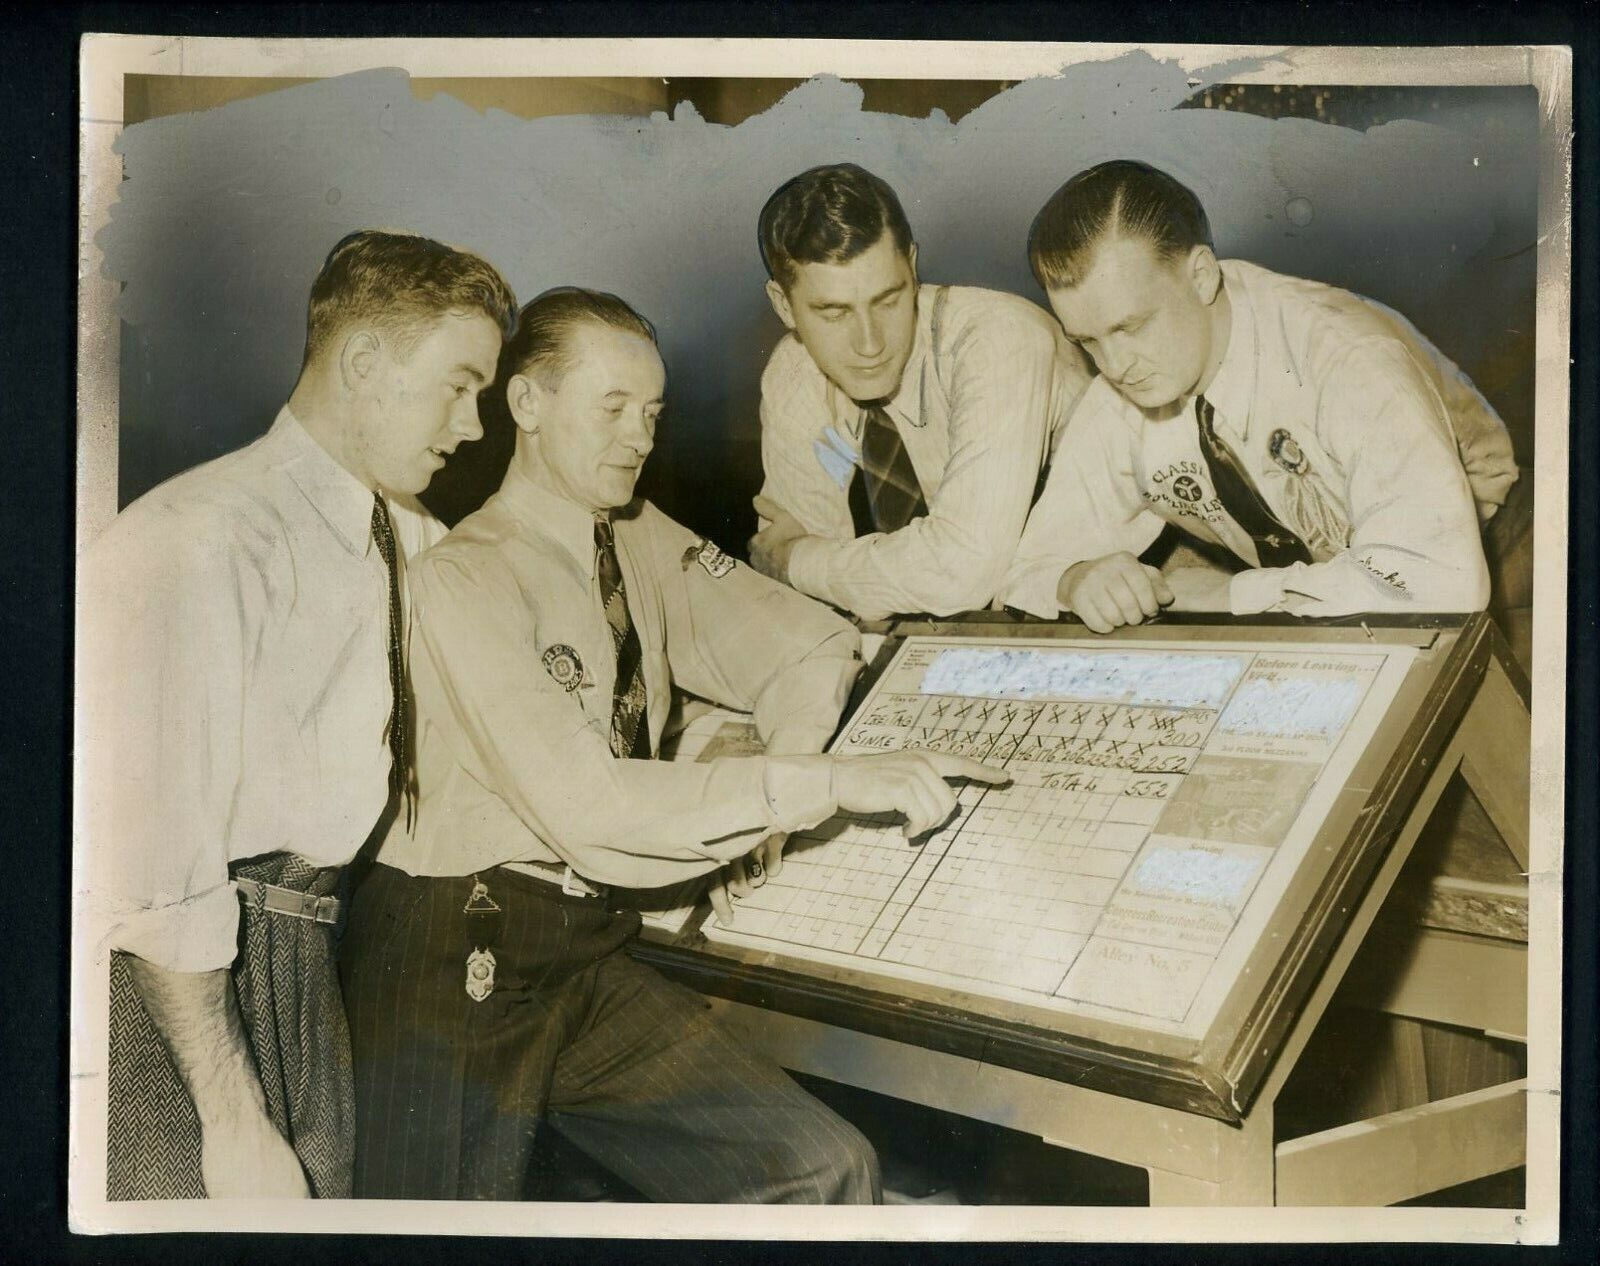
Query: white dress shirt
point(514, 667)
point(234, 687)
point(988, 387)
point(1359, 435)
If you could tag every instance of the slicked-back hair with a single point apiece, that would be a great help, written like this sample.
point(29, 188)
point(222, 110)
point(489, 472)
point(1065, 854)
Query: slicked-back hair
point(827, 215)
point(541, 345)
point(1121, 198)
point(401, 284)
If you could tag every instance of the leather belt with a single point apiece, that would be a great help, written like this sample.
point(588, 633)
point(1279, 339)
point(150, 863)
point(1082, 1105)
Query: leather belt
point(276, 900)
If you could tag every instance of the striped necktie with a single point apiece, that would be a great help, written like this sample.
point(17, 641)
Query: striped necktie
point(402, 774)
point(1276, 545)
point(887, 483)
point(630, 735)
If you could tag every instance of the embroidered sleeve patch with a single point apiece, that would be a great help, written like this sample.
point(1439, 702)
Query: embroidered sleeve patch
point(706, 553)
point(564, 666)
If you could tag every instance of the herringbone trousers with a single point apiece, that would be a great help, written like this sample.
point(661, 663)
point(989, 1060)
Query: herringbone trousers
point(288, 993)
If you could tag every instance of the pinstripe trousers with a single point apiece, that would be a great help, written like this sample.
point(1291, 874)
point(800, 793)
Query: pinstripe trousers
point(627, 1065)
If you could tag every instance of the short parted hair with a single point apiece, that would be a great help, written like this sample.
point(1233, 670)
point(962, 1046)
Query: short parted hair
point(827, 215)
point(541, 345)
point(400, 284)
point(1122, 198)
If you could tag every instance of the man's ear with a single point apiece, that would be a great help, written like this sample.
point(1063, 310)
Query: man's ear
point(358, 360)
point(780, 304)
point(1205, 274)
point(526, 400)
point(911, 258)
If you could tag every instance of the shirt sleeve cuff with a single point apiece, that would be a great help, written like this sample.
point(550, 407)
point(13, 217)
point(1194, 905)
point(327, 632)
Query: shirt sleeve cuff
point(799, 791)
point(197, 934)
point(808, 564)
point(1034, 590)
point(1251, 592)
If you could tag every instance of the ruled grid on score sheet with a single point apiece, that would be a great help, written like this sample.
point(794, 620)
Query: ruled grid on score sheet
point(1161, 798)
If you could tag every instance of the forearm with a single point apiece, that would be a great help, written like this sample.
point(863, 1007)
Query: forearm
point(928, 566)
point(197, 1016)
point(1367, 578)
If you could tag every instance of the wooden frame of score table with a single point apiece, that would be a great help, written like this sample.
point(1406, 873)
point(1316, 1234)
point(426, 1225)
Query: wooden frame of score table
point(1198, 1115)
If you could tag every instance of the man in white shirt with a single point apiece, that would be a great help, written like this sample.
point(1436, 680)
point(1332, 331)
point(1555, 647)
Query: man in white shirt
point(904, 427)
point(484, 970)
point(244, 727)
point(1315, 435)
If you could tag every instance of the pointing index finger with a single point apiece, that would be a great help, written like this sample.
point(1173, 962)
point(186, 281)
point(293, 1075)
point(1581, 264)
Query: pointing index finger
point(947, 765)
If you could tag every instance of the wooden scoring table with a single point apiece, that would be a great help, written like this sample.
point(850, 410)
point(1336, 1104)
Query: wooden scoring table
point(1203, 1126)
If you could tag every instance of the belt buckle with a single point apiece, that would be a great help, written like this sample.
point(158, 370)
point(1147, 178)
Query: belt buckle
point(575, 885)
point(318, 909)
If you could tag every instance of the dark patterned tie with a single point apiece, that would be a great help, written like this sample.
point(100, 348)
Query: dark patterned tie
point(1276, 545)
point(885, 495)
point(402, 775)
point(630, 736)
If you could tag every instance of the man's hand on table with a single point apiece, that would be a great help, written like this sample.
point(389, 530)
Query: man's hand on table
point(742, 877)
point(910, 783)
point(1106, 593)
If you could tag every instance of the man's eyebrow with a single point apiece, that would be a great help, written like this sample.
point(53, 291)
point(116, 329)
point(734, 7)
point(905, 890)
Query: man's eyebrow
point(829, 305)
point(471, 372)
point(1132, 319)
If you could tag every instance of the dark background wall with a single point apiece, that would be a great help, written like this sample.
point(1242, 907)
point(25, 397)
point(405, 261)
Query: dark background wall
point(234, 190)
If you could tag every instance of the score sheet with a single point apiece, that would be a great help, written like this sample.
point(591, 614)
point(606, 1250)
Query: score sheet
point(1161, 797)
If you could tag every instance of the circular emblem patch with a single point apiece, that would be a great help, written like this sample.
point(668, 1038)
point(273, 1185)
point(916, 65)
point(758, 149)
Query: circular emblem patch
point(564, 666)
point(1187, 488)
point(1287, 453)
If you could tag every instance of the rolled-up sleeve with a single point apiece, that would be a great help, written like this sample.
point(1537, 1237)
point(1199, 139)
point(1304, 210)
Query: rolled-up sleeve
point(1090, 507)
point(168, 614)
point(1001, 377)
point(1414, 543)
point(638, 823)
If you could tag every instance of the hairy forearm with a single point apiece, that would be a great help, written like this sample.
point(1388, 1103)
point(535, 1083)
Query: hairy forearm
point(197, 1015)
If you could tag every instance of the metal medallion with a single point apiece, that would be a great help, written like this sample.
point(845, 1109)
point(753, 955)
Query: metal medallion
point(480, 974)
point(1287, 453)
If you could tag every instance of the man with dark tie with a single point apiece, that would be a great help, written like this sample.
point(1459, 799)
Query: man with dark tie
point(1315, 435)
point(488, 987)
point(904, 427)
point(243, 728)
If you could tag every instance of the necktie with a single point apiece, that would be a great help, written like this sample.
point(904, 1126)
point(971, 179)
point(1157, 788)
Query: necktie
point(402, 777)
point(630, 736)
point(1276, 545)
point(887, 483)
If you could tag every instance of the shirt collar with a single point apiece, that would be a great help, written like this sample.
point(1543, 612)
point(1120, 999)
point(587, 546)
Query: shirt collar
point(337, 495)
point(1233, 388)
point(545, 513)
